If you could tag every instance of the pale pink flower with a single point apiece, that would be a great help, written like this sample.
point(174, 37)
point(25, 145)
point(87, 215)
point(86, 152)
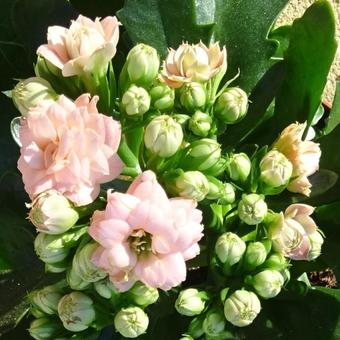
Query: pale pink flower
point(291, 232)
point(304, 155)
point(69, 147)
point(145, 236)
point(193, 63)
point(85, 46)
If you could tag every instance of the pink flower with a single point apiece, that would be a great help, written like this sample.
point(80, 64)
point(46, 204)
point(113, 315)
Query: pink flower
point(293, 232)
point(84, 46)
point(69, 147)
point(146, 236)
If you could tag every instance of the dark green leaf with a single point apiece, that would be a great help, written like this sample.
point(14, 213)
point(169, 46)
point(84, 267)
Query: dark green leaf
point(97, 8)
point(334, 116)
point(282, 36)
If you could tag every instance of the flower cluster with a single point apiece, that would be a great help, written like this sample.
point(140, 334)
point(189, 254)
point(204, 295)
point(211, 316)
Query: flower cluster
point(158, 129)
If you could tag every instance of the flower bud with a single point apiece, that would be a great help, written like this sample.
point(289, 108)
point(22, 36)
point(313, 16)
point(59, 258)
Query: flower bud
point(163, 136)
point(46, 253)
point(105, 288)
point(214, 323)
point(196, 327)
point(268, 283)
point(276, 261)
point(190, 302)
point(200, 124)
point(30, 92)
point(76, 311)
point(131, 322)
point(46, 299)
point(223, 192)
point(252, 209)
point(142, 295)
point(44, 328)
point(57, 267)
point(193, 185)
point(162, 97)
point(142, 64)
point(84, 267)
point(181, 119)
point(186, 337)
point(232, 105)
point(193, 96)
point(255, 255)
point(239, 166)
point(75, 281)
point(241, 308)
point(276, 169)
point(201, 155)
point(230, 248)
point(316, 241)
point(136, 101)
point(52, 213)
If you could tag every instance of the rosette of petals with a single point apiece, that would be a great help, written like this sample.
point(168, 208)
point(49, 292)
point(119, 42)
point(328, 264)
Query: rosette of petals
point(84, 46)
point(145, 236)
point(69, 147)
point(189, 63)
point(304, 155)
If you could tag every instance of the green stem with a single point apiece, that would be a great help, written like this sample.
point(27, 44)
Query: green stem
point(128, 157)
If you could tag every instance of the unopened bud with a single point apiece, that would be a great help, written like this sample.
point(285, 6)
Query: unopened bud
point(181, 119)
point(162, 97)
point(276, 261)
point(316, 242)
point(230, 248)
point(190, 302)
point(255, 255)
point(142, 295)
point(192, 184)
point(46, 299)
point(238, 168)
point(224, 193)
point(252, 209)
point(75, 281)
point(214, 323)
point(200, 124)
point(193, 96)
point(268, 283)
point(131, 322)
point(196, 327)
point(105, 288)
point(136, 101)
point(44, 328)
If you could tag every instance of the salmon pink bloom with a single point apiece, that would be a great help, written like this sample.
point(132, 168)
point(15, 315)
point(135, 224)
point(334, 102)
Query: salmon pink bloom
point(69, 147)
point(145, 236)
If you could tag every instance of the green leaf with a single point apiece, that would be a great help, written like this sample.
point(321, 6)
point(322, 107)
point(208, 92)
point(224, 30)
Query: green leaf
point(334, 116)
point(282, 36)
point(97, 8)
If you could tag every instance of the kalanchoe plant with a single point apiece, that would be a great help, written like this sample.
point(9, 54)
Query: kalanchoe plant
point(160, 191)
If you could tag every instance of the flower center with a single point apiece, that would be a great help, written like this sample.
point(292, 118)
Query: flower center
point(140, 241)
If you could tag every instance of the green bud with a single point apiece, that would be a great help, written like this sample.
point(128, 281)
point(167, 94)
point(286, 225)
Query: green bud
point(75, 281)
point(193, 96)
point(76, 311)
point(255, 255)
point(186, 337)
point(136, 101)
point(252, 209)
point(181, 119)
point(58, 267)
point(53, 213)
point(232, 105)
point(316, 242)
point(46, 299)
point(45, 252)
point(131, 322)
point(230, 248)
point(83, 266)
point(142, 295)
point(276, 169)
point(241, 308)
point(163, 136)
point(28, 93)
point(105, 288)
point(44, 328)
point(200, 124)
point(196, 327)
point(238, 168)
point(162, 97)
point(36, 312)
point(190, 302)
point(275, 261)
point(201, 155)
point(142, 64)
point(285, 274)
point(223, 192)
point(268, 283)
point(214, 323)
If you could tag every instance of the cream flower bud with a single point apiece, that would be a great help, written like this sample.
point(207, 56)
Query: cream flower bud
point(136, 101)
point(163, 136)
point(224, 193)
point(214, 323)
point(162, 97)
point(230, 248)
point(28, 93)
point(181, 119)
point(45, 252)
point(58, 267)
point(76, 311)
point(195, 328)
point(131, 322)
point(232, 105)
point(75, 281)
point(276, 261)
point(105, 288)
point(252, 209)
point(46, 299)
point(238, 168)
point(241, 308)
point(316, 242)
point(190, 302)
point(268, 283)
point(142, 64)
point(142, 295)
point(186, 337)
point(255, 255)
point(193, 185)
point(84, 267)
point(52, 213)
point(200, 124)
point(44, 328)
point(276, 169)
point(193, 96)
